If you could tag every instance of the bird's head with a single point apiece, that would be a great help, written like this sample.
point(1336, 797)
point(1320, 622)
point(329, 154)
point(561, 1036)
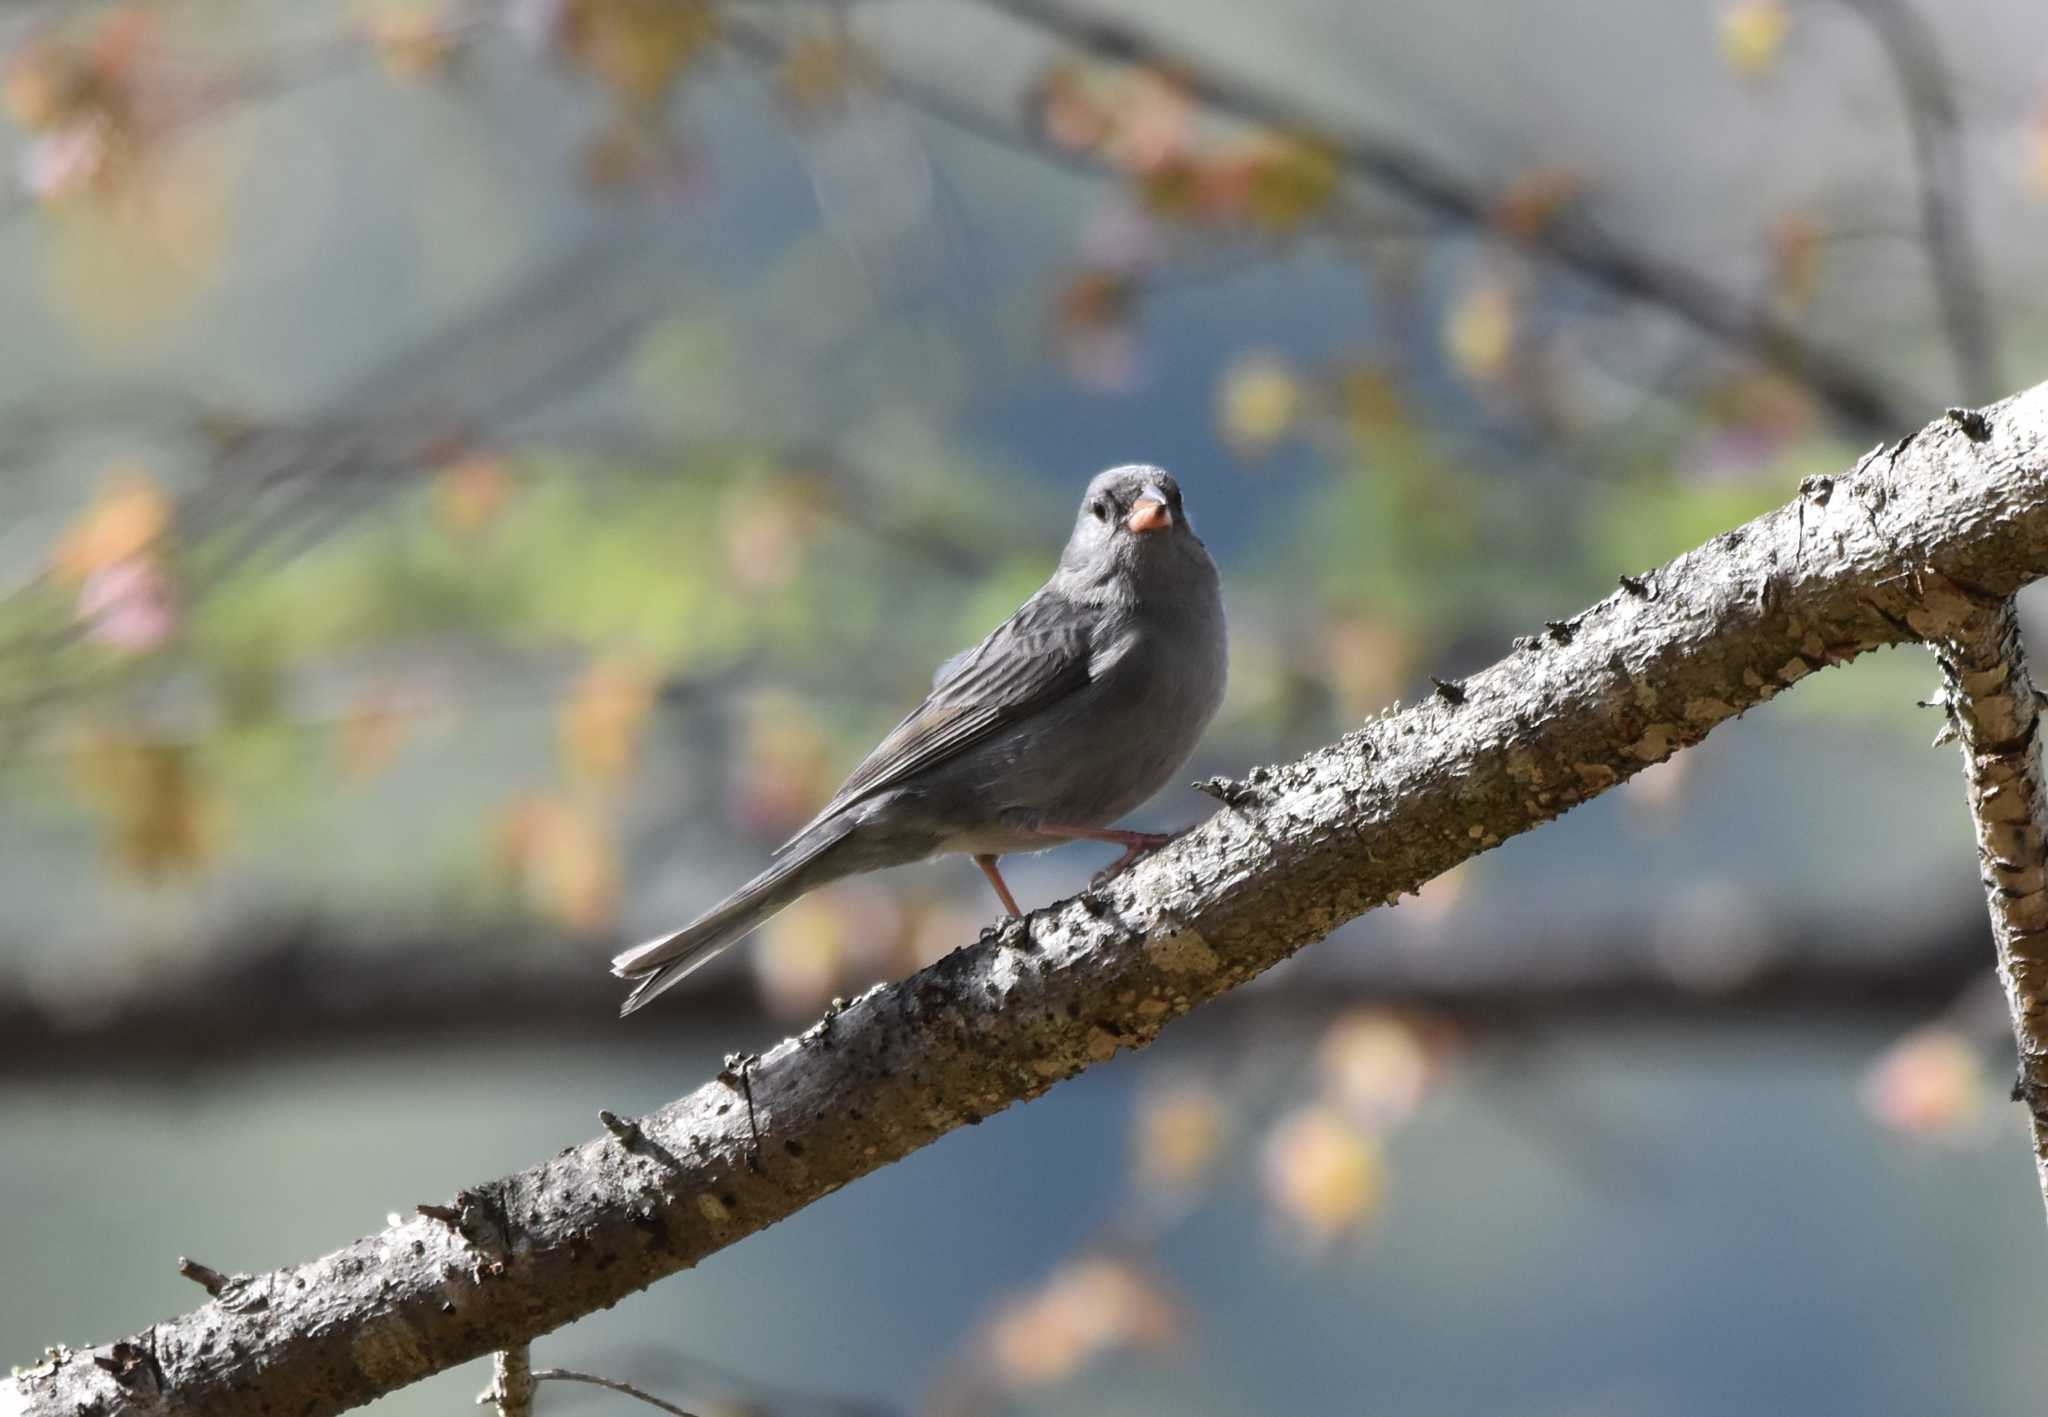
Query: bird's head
point(1132, 524)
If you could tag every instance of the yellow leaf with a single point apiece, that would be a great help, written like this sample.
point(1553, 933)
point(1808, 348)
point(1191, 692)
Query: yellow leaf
point(43, 87)
point(1259, 404)
point(1325, 1177)
point(1178, 1132)
point(1177, 190)
point(1374, 1066)
point(1292, 179)
point(160, 822)
point(413, 39)
point(1069, 113)
point(126, 264)
point(604, 719)
point(640, 47)
point(1480, 335)
point(798, 956)
point(1753, 35)
point(820, 73)
point(1372, 400)
point(125, 521)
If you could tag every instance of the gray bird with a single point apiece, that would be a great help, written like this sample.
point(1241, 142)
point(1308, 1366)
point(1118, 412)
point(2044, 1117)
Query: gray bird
point(1072, 712)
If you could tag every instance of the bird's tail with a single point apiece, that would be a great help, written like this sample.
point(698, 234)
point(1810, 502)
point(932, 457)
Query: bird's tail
point(801, 867)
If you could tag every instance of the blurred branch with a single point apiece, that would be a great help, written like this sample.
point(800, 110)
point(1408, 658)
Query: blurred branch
point(1995, 710)
point(1576, 245)
point(286, 988)
point(1914, 51)
point(1854, 563)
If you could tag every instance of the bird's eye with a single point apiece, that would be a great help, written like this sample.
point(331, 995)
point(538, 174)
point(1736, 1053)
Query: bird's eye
point(1100, 508)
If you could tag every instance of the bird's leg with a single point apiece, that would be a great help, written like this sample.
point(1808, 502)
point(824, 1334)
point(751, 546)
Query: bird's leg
point(995, 878)
point(1135, 844)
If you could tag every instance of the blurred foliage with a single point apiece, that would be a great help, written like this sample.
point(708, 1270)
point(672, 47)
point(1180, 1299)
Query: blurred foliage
point(776, 504)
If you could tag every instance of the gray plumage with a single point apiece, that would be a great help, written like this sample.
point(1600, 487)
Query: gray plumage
point(1069, 714)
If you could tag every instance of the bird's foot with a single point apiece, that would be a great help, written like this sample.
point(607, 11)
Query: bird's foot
point(1136, 845)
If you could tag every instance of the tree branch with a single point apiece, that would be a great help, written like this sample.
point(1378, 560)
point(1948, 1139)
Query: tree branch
point(1994, 708)
point(1852, 564)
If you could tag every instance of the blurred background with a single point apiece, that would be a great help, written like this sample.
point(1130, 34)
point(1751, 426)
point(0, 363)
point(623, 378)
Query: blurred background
point(474, 474)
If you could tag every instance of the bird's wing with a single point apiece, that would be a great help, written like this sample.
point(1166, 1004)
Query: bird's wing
point(1036, 657)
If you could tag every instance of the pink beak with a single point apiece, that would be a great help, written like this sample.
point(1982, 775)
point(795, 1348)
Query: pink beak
point(1148, 514)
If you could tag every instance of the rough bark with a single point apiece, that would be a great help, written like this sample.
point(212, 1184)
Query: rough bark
point(1995, 710)
point(1849, 565)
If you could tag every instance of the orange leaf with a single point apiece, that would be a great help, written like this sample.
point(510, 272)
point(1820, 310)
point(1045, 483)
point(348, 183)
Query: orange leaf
point(1091, 1305)
point(1096, 298)
point(1930, 1083)
point(1365, 660)
point(468, 494)
point(43, 87)
point(1533, 202)
point(564, 857)
point(604, 719)
point(125, 522)
point(1797, 245)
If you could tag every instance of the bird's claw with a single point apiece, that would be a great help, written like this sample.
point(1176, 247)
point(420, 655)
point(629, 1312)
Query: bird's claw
point(1145, 845)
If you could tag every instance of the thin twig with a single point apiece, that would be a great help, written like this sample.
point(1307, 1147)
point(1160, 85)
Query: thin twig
point(564, 1375)
point(1927, 90)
